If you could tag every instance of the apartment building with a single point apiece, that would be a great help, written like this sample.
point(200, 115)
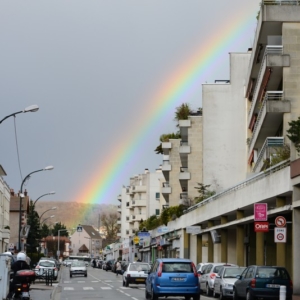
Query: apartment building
point(140, 200)
point(245, 121)
point(4, 213)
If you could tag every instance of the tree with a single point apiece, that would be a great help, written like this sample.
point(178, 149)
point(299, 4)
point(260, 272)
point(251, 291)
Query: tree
point(34, 235)
point(59, 226)
point(182, 112)
point(204, 192)
point(45, 231)
point(109, 220)
point(294, 133)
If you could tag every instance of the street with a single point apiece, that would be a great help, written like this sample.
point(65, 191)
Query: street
point(98, 284)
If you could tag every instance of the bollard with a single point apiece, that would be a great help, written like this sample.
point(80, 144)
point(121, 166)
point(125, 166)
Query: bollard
point(282, 292)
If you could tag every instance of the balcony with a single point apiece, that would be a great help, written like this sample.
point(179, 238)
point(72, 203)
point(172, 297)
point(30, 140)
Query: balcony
point(119, 209)
point(184, 174)
point(266, 151)
point(119, 233)
point(140, 189)
point(166, 145)
point(5, 233)
point(269, 118)
point(184, 148)
point(166, 188)
point(184, 123)
point(120, 198)
point(166, 166)
point(270, 73)
point(137, 203)
point(119, 221)
point(127, 218)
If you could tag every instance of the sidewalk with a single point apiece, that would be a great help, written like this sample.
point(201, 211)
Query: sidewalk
point(39, 290)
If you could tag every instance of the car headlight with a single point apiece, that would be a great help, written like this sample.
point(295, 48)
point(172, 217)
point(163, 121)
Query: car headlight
point(228, 286)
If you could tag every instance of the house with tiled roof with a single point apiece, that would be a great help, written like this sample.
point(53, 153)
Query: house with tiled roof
point(86, 240)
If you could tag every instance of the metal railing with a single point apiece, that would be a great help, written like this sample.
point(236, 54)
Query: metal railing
point(243, 184)
point(280, 2)
point(269, 142)
point(270, 50)
point(270, 96)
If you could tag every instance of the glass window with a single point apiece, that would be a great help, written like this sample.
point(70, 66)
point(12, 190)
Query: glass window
point(157, 196)
point(157, 212)
point(249, 273)
point(177, 267)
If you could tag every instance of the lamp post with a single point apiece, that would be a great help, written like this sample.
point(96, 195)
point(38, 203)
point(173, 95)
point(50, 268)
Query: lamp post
point(47, 219)
point(31, 108)
point(50, 193)
point(58, 252)
point(53, 208)
point(22, 196)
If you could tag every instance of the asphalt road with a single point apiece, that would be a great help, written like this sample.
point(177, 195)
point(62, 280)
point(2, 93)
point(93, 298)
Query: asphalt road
point(100, 284)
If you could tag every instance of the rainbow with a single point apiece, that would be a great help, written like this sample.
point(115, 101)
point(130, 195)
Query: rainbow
point(105, 184)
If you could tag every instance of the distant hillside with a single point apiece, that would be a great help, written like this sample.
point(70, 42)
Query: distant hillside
point(71, 213)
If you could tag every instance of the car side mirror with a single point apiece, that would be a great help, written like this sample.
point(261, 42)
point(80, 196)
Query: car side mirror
point(239, 276)
point(218, 276)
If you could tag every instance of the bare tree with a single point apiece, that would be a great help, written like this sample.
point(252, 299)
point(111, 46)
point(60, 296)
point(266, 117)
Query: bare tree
point(109, 220)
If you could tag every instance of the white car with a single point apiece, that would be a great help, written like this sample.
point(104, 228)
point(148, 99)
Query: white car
point(136, 273)
point(43, 268)
point(78, 268)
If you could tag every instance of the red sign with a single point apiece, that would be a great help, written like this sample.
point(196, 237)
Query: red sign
point(261, 212)
point(261, 226)
point(280, 221)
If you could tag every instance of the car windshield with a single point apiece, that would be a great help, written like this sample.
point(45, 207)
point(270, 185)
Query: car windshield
point(47, 263)
point(265, 272)
point(177, 267)
point(139, 267)
point(78, 263)
point(232, 272)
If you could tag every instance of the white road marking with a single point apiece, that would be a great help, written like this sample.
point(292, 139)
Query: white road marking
point(67, 281)
point(81, 281)
point(95, 281)
point(134, 298)
point(127, 294)
point(68, 289)
point(125, 288)
point(105, 288)
point(88, 288)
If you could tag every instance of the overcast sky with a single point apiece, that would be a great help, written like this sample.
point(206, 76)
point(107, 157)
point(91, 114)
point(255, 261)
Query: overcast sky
point(93, 67)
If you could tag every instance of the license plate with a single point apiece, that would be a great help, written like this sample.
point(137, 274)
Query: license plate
point(276, 286)
point(140, 279)
point(177, 279)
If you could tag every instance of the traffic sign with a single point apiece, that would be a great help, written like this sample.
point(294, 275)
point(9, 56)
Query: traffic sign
point(79, 228)
point(280, 235)
point(136, 240)
point(11, 247)
point(261, 212)
point(280, 221)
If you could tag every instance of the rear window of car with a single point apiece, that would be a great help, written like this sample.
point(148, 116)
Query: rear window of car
point(78, 263)
point(263, 272)
point(47, 263)
point(232, 272)
point(139, 267)
point(177, 267)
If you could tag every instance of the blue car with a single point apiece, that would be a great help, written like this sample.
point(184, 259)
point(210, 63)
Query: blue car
point(262, 282)
point(172, 277)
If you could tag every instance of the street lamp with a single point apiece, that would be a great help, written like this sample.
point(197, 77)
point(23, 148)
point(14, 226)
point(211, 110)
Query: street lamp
point(50, 193)
point(47, 219)
point(58, 252)
point(53, 208)
point(22, 196)
point(31, 108)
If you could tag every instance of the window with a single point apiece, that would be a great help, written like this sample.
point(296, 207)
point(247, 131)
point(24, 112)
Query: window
point(157, 212)
point(157, 196)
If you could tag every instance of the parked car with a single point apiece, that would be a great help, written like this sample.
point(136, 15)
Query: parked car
point(172, 277)
point(43, 267)
point(136, 273)
point(67, 262)
point(226, 277)
point(57, 263)
point(208, 275)
point(78, 268)
point(262, 282)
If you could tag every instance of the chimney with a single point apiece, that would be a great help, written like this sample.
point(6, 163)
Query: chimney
point(25, 193)
point(146, 171)
point(12, 192)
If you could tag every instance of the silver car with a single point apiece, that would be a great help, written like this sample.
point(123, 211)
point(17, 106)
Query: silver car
point(46, 267)
point(225, 280)
point(78, 268)
point(207, 278)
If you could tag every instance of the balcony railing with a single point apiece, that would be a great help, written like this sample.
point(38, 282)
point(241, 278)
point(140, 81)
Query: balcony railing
point(265, 152)
point(270, 96)
point(166, 184)
point(274, 50)
point(281, 2)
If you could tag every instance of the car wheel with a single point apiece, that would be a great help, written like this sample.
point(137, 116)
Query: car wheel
point(196, 297)
point(70, 275)
point(123, 283)
point(249, 296)
point(126, 283)
point(215, 295)
point(147, 296)
point(208, 290)
point(221, 294)
point(153, 295)
point(187, 297)
point(85, 275)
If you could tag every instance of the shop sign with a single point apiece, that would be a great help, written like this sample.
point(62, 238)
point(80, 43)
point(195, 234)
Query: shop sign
point(261, 226)
point(164, 242)
point(146, 242)
point(162, 229)
point(153, 241)
point(261, 212)
point(158, 240)
point(193, 229)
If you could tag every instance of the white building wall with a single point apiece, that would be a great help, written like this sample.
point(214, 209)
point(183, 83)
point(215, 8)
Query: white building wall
point(224, 128)
point(153, 187)
point(4, 215)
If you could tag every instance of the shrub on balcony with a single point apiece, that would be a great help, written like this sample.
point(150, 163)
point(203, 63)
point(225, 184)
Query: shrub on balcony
point(165, 138)
point(293, 133)
point(204, 192)
point(281, 154)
